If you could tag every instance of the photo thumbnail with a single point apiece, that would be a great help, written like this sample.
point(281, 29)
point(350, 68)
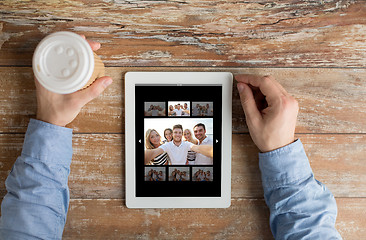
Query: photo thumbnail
point(202, 174)
point(202, 109)
point(155, 174)
point(155, 109)
point(170, 141)
point(179, 174)
point(179, 109)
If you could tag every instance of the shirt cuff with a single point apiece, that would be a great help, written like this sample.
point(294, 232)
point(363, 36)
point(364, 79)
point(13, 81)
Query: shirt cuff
point(284, 166)
point(48, 143)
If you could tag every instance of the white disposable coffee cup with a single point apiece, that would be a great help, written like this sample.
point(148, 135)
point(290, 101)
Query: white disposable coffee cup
point(63, 62)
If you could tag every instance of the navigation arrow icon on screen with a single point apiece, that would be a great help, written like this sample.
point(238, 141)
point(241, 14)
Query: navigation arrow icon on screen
point(139, 140)
point(217, 141)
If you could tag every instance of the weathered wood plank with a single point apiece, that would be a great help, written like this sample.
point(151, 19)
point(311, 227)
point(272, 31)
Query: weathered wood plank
point(245, 219)
point(18, 104)
point(195, 33)
point(331, 100)
point(351, 217)
point(98, 171)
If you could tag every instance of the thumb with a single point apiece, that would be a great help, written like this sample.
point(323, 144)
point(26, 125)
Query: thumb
point(251, 111)
point(94, 90)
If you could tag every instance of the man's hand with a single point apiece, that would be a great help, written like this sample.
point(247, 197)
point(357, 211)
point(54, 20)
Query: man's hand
point(206, 150)
point(270, 111)
point(61, 109)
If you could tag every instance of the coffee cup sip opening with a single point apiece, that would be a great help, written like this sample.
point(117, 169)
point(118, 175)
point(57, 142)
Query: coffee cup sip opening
point(64, 62)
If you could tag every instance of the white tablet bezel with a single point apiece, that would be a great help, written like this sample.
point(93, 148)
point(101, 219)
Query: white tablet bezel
point(225, 79)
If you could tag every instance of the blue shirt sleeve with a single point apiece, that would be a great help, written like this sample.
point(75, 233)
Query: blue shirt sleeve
point(300, 206)
point(37, 201)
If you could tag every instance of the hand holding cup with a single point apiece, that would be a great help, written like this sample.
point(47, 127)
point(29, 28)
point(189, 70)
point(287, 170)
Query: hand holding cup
point(61, 109)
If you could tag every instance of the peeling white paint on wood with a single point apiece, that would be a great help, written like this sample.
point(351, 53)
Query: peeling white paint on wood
point(278, 34)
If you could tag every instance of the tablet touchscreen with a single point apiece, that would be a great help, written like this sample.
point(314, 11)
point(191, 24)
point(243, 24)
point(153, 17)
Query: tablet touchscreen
point(173, 118)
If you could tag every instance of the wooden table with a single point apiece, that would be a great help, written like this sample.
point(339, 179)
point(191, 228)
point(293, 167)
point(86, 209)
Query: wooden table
point(316, 50)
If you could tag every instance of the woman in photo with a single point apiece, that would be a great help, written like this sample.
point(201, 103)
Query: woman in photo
point(202, 176)
point(189, 137)
point(204, 111)
point(201, 111)
point(171, 110)
point(150, 175)
point(191, 156)
point(178, 176)
point(173, 177)
point(199, 176)
point(152, 141)
point(195, 110)
point(196, 175)
point(168, 135)
point(155, 176)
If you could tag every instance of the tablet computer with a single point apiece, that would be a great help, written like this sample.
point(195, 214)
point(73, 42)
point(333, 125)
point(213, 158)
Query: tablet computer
point(178, 139)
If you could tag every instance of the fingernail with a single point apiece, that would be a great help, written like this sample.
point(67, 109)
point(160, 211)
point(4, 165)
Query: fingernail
point(240, 87)
point(107, 82)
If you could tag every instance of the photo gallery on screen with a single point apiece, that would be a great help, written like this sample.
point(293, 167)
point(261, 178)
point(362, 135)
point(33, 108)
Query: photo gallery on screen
point(178, 141)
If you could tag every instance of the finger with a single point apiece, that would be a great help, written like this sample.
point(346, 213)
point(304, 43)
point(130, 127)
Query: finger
point(40, 88)
point(38, 85)
point(248, 103)
point(282, 89)
point(94, 45)
point(265, 84)
point(93, 91)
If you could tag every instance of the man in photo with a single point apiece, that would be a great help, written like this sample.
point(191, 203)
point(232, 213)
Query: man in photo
point(186, 110)
point(178, 110)
point(184, 176)
point(199, 131)
point(209, 176)
point(178, 149)
point(161, 176)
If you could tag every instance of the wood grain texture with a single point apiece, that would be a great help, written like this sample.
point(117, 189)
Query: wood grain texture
point(97, 169)
point(18, 104)
point(245, 219)
point(315, 49)
point(110, 219)
point(331, 100)
point(195, 33)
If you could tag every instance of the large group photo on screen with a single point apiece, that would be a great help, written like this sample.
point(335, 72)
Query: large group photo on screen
point(171, 141)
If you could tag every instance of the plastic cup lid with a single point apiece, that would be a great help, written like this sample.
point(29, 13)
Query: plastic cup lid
point(63, 62)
